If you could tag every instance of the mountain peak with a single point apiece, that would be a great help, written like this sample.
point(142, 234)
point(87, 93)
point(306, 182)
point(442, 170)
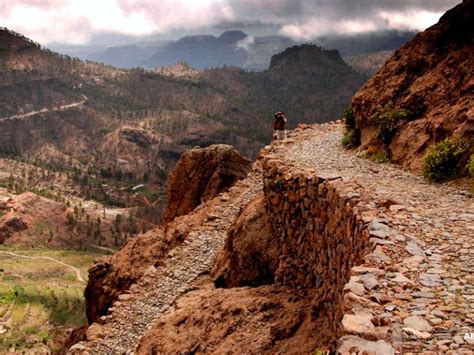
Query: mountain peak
point(305, 54)
point(232, 36)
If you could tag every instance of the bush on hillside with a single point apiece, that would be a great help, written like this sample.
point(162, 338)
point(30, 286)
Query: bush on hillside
point(387, 119)
point(470, 165)
point(351, 135)
point(445, 160)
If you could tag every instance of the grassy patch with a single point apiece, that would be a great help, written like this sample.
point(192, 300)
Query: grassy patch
point(47, 298)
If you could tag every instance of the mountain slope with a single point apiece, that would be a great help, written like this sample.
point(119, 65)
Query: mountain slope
point(432, 77)
point(75, 105)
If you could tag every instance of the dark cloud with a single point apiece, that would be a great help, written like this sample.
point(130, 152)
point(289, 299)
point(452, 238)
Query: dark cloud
point(300, 19)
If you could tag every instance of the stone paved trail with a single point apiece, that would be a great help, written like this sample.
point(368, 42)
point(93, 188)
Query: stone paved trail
point(413, 293)
point(155, 293)
point(423, 264)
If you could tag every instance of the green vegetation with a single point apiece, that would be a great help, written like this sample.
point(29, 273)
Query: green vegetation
point(351, 135)
point(387, 119)
point(470, 165)
point(40, 299)
point(446, 159)
point(375, 156)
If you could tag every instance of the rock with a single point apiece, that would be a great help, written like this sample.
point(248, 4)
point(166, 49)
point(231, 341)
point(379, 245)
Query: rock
point(354, 344)
point(401, 279)
point(417, 334)
point(251, 253)
point(78, 347)
point(360, 324)
point(124, 297)
point(417, 323)
point(430, 280)
point(405, 81)
point(414, 249)
point(378, 256)
point(370, 282)
point(200, 175)
point(95, 332)
point(378, 229)
point(458, 340)
point(355, 287)
point(439, 314)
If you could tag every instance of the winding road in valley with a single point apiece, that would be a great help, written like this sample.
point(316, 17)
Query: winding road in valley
point(75, 269)
point(45, 110)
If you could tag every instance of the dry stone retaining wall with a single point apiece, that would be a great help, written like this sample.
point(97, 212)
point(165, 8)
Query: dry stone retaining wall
point(319, 220)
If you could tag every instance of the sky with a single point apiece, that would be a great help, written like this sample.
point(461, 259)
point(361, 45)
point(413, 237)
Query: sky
point(85, 22)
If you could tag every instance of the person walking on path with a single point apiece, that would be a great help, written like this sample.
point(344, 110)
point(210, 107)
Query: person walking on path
point(279, 129)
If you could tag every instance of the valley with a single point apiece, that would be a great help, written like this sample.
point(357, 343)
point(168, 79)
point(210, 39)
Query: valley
point(41, 296)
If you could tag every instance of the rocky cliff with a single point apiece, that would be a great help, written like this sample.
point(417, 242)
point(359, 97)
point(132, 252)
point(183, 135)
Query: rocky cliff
point(311, 251)
point(432, 78)
point(200, 175)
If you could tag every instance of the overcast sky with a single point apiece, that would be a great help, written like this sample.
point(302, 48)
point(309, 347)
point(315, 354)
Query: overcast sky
point(93, 21)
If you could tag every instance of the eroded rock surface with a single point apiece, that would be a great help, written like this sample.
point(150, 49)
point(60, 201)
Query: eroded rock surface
point(432, 77)
point(200, 175)
point(383, 262)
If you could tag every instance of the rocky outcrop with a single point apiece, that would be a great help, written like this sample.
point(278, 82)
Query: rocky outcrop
point(432, 77)
point(112, 276)
point(263, 320)
point(11, 226)
point(250, 256)
point(200, 175)
point(347, 255)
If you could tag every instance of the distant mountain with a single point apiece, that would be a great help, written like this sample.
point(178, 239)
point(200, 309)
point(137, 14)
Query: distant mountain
point(348, 45)
point(124, 56)
point(201, 51)
point(368, 63)
point(231, 48)
point(135, 123)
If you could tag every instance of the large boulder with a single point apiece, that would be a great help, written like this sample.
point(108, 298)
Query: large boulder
point(200, 175)
point(432, 77)
point(250, 255)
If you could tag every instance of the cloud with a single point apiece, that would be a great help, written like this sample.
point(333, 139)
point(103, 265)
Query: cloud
point(246, 43)
point(78, 21)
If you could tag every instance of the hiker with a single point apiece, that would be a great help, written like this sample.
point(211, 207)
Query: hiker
point(279, 131)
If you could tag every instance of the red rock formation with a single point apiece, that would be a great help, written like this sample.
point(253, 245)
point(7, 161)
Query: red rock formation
point(264, 320)
point(432, 77)
point(200, 175)
point(250, 257)
point(113, 275)
point(11, 226)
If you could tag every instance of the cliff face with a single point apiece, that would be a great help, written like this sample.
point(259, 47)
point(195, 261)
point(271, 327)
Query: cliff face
point(311, 251)
point(285, 259)
point(432, 77)
point(200, 175)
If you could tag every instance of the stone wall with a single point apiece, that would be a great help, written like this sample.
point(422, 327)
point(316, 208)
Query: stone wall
point(320, 225)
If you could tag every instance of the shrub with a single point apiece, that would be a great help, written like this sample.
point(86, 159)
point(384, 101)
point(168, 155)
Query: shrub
point(349, 118)
point(470, 165)
point(351, 135)
point(375, 156)
point(444, 159)
point(380, 157)
point(387, 119)
point(349, 139)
